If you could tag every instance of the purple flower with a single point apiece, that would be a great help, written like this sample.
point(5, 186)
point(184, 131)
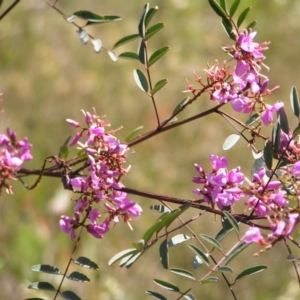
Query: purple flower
point(267, 115)
point(98, 230)
point(253, 235)
point(245, 41)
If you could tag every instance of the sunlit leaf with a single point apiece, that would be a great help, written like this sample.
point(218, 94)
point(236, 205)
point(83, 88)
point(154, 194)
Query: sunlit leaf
point(86, 263)
point(156, 295)
point(223, 4)
point(222, 234)
point(139, 245)
point(113, 56)
point(201, 254)
point(178, 239)
point(153, 30)
point(183, 273)
point(197, 262)
point(250, 271)
point(140, 80)
point(189, 297)
point(160, 208)
point(243, 16)
point(228, 28)
point(237, 250)
point(231, 141)
point(141, 26)
point(76, 276)
point(166, 285)
point(88, 16)
point(159, 85)
point(255, 117)
point(97, 44)
point(83, 36)
point(132, 260)
point(164, 254)
point(46, 269)
point(120, 255)
point(42, 286)
point(126, 39)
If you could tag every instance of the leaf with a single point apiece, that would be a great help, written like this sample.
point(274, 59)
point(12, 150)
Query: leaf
point(234, 7)
point(183, 273)
point(94, 18)
point(197, 262)
point(258, 164)
point(129, 55)
point(223, 233)
point(210, 280)
point(120, 255)
point(251, 25)
point(217, 8)
point(243, 16)
point(250, 271)
point(159, 85)
point(211, 240)
point(231, 141)
point(268, 154)
point(181, 104)
point(160, 208)
point(296, 131)
point(291, 257)
point(113, 56)
point(126, 39)
point(148, 234)
point(46, 286)
point(69, 295)
point(276, 132)
point(164, 254)
point(46, 269)
point(86, 263)
point(228, 28)
point(189, 297)
point(252, 119)
point(166, 285)
point(133, 133)
point(201, 254)
point(77, 276)
point(257, 155)
point(156, 295)
point(64, 149)
point(151, 12)
point(140, 80)
point(139, 245)
point(178, 239)
point(83, 36)
point(283, 120)
point(153, 30)
point(223, 4)
point(157, 55)
point(235, 252)
point(232, 221)
point(224, 269)
point(142, 52)
point(97, 45)
point(141, 26)
point(295, 102)
point(132, 260)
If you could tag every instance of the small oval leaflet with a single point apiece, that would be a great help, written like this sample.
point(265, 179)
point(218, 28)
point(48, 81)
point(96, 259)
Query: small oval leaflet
point(112, 55)
point(83, 36)
point(231, 141)
point(69, 295)
point(140, 80)
point(97, 45)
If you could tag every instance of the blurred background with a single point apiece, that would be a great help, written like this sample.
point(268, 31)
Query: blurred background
point(48, 75)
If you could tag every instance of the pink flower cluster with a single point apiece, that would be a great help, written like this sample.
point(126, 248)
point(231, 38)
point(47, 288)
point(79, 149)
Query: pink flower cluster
point(100, 188)
point(243, 86)
point(13, 154)
point(267, 199)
